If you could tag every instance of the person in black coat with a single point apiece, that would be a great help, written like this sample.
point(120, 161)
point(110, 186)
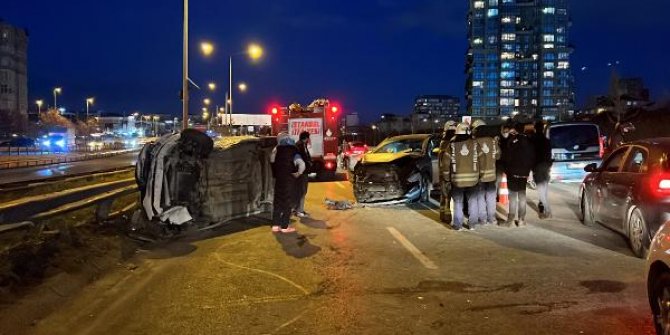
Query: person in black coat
point(519, 160)
point(287, 165)
point(542, 169)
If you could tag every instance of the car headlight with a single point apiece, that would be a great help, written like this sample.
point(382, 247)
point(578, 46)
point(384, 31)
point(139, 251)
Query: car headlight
point(46, 143)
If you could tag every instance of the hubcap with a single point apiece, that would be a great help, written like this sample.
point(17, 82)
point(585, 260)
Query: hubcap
point(663, 317)
point(636, 231)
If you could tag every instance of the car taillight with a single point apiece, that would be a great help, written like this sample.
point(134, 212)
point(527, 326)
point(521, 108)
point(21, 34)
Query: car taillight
point(660, 184)
point(601, 142)
point(329, 165)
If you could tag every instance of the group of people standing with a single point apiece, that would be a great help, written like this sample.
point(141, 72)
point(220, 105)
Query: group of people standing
point(291, 163)
point(472, 163)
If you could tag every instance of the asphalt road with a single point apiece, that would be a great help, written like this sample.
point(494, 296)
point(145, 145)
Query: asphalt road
point(57, 170)
point(387, 270)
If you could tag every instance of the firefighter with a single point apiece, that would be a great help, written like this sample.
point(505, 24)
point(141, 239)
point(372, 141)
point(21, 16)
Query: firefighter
point(463, 157)
point(287, 166)
point(444, 166)
point(487, 191)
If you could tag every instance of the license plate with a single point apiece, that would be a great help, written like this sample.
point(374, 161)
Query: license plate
point(576, 166)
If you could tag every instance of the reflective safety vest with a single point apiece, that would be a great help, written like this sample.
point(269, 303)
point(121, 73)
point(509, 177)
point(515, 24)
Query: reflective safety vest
point(489, 153)
point(464, 163)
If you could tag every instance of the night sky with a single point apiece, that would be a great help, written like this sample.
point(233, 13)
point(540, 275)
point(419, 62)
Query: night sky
point(372, 56)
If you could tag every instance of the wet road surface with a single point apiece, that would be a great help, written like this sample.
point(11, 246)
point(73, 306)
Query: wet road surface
point(393, 270)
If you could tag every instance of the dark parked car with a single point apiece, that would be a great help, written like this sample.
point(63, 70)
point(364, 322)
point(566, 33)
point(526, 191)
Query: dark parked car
point(399, 168)
point(630, 191)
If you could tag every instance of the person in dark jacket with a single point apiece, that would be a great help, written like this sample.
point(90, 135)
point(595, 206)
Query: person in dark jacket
point(519, 161)
point(542, 169)
point(287, 166)
point(303, 180)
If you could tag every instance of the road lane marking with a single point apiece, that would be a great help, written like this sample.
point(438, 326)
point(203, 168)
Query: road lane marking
point(412, 249)
point(429, 208)
point(339, 184)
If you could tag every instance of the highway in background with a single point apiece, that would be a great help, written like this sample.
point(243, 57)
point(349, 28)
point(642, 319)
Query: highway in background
point(60, 170)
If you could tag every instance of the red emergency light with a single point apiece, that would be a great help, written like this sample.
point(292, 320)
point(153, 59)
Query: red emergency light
point(334, 109)
point(275, 110)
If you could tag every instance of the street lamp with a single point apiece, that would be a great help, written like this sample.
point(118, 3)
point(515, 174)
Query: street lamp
point(207, 48)
point(212, 86)
point(89, 102)
point(184, 79)
point(255, 52)
point(242, 87)
point(57, 91)
point(207, 101)
point(39, 106)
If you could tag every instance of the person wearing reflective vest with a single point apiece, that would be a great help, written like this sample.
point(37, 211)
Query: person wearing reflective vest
point(489, 154)
point(464, 175)
point(444, 164)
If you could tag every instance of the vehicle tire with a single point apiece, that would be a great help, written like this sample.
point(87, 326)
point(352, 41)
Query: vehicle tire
point(637, 232)
point(587, 211)
point(659, 297)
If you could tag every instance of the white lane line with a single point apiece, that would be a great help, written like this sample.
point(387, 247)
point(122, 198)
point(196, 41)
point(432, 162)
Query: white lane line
point(412, 249)
point(429, 208)
point(339, 184)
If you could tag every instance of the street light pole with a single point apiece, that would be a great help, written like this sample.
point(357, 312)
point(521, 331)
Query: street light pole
point(184, 88)
point(230, 87)
point(39, 107)
point(57, 91)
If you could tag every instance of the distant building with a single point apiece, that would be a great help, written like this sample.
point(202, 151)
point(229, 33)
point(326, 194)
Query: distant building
point(351, 120)
point(13, 78)
point(438, 105)
point(518, 60)
point(633, 91)
point(391, 124)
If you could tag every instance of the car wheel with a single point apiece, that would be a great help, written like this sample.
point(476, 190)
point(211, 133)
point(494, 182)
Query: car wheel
point(660, 303)
point(587, 211)
point(637, 230)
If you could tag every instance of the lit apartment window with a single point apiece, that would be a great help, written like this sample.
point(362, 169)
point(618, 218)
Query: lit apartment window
point(549, 65)
point(518, 20)
point(507, 74)
point(549, 10)
point(493, 3)
point(507, 92)
point(563, 55)
point(535, 56)
point(506, 19)
point(508, 37)
point(549, 38)
point(563, 65)
point(507, 1)
point(477, 83)
point(516, 103)
point(492, 12)
point(506, 102)
point(560, 30)
point(549, 46)
point(507, 55)
point(493, 39)
point(479, 4)
point(534, 102)
point(548, 74)
point(507, 65)
point(478, 41)
point(506, 83)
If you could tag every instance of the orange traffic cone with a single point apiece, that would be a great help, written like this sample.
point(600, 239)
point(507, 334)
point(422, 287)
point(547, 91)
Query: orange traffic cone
point(503, 192)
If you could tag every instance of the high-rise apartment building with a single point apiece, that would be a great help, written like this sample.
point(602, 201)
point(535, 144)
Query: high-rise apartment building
point(518, 60)
point(13, 78)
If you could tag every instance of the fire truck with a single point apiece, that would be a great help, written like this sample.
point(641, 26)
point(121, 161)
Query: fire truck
point(320, 118)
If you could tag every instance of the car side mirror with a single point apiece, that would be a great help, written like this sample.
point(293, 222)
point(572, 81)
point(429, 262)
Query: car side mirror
point(593, 167)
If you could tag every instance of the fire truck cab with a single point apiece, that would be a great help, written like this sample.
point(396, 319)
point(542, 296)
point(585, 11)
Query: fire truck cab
point(320, 118)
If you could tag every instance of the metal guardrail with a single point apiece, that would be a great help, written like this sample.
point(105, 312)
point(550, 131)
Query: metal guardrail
point(45, 206)
point(27, 185)
point(60, 160)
